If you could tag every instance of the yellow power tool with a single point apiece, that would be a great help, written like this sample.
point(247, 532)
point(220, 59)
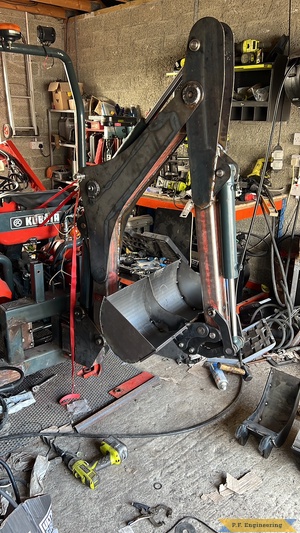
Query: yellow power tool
point(112, 450)
point(249, 51)
point(247, 46)
point(256, 172)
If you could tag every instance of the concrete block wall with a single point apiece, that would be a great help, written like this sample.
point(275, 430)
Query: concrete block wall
point(44, 71)
point(125, 52)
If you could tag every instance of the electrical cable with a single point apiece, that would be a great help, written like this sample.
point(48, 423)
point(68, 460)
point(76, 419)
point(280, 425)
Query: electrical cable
point(191, 518)
point(264, 168)
point(259, 253)
point(5, 482)
point(174, 198)
point(175, 432)
point(290, 221)
point(4, 416)
point(273, 276)
point(8, 498)
point(281, 326)
point(12, 480)
point(274, 248)
point(44, 155)
point(260, 308)
point(280, 318)
point(289, 335)
point(292, 236)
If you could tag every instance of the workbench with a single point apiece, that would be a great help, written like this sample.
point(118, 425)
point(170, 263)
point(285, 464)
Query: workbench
point(243, 210)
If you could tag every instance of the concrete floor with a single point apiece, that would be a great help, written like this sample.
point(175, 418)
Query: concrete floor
point(188, 466)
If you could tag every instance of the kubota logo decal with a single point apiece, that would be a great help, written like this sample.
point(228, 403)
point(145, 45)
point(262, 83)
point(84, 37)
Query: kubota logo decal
point(31, 221)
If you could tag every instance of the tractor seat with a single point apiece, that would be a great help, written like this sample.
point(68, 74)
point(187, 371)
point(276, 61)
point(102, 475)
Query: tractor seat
point(33, 200)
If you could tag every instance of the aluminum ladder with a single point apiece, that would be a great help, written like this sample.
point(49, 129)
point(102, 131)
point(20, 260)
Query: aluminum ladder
point(10, 129)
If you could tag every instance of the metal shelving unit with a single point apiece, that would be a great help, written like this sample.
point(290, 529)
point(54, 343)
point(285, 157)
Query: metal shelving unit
point(269, 74)
point(53, 131)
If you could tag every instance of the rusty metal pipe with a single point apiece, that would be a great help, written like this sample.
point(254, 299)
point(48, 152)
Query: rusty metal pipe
point(210, 261)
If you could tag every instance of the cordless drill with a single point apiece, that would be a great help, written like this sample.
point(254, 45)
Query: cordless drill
point(112, 450)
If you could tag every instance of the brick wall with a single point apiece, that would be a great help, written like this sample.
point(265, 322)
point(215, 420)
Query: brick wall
point(124, 53)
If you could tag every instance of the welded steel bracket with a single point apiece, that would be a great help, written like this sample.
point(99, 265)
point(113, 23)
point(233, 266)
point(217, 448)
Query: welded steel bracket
point(110, 191)
point(274, 415)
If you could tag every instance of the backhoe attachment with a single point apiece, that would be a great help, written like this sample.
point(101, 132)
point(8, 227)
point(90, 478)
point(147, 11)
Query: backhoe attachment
point(197, 312)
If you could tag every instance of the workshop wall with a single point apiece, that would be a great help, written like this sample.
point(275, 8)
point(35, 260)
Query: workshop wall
point(125, 52)
point(44, 71)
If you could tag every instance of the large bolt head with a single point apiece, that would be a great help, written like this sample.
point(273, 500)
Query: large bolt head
point(194, 45)
point(93, 189)
point(192, 94)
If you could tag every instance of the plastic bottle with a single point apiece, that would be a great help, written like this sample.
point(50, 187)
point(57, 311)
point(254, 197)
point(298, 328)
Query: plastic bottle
point(219, 376)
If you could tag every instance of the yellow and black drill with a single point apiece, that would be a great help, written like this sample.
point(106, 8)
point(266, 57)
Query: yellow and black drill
point(112, 450)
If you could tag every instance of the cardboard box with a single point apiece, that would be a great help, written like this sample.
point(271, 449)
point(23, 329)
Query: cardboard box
point(61, 94)
point(101, 106)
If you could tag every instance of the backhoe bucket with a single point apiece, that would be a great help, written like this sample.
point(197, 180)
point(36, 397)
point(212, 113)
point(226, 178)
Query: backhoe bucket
point(141, 318)
point(275, 413)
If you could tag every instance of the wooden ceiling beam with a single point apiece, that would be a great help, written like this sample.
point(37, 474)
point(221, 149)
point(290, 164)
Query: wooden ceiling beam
point(76, 5)
point(35, 9)
point(99, 3)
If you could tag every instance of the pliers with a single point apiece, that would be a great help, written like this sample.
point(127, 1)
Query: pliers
point(149, 513)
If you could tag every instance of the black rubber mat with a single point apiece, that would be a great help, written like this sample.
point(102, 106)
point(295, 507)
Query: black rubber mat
point(47, 411)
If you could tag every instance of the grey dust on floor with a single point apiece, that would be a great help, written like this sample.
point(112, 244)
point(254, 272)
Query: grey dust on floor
point(182, 471)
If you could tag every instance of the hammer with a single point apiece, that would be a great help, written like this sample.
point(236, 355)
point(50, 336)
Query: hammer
point(236, 370)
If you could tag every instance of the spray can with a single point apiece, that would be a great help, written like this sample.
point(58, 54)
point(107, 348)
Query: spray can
point(218, 375)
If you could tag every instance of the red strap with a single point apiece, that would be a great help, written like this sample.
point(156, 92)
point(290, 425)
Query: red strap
point(58, 193)
point(73, 295)
point(58, 208)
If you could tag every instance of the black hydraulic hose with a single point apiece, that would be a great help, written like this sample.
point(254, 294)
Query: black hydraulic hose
point(175, 432)
point(45, 51)
point(6, 264)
